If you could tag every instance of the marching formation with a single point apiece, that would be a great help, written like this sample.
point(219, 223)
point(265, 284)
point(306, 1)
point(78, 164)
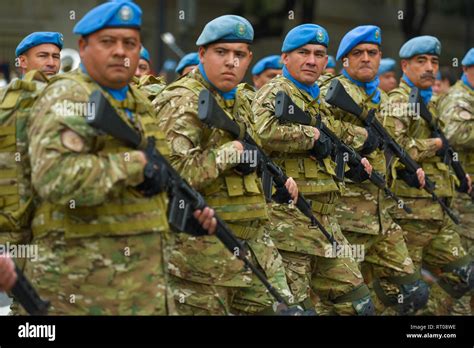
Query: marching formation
point(309, 193)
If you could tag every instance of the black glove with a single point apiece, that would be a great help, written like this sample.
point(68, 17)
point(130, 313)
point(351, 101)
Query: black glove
point(156, 175)
point(281, 196)
point(371, 143)
point(444, 148)
point(410, 178)
point(322, 148)
point(250, 153)
point(357, 173)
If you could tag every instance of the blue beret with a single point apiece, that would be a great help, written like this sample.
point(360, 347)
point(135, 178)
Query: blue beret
point(144, 54)
point(187, 60)
point(305, 34)
point(331, 62)
point(468, 58)
point(112, 14)
point(359, 35)
point(420, 45)
point(386, 65)
point(39, 38)
point(227, 28)
point(270, 62)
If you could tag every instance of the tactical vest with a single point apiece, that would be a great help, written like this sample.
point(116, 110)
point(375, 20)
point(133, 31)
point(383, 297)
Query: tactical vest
point(16, 196)
point(313, 178)
point(129, 214)
point(243, 193)
point(433, 167)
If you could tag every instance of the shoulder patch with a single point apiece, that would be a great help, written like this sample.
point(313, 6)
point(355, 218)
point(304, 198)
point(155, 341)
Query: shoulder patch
point(72, 141)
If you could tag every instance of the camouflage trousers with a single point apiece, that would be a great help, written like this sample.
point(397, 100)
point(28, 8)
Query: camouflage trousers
point(465, 209)
point(116, 275)
point(312, 266)
point(435, 245)
point(386, 261)
point(209, 280)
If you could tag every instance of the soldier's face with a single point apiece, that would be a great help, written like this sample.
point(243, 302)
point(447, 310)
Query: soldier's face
point(143, 68)
point(225, 63)
point(45, 57)
point(469, 71)
point(306, 63)
point(362, 62)
point(111, 55)
point(264, 77)
point(388, 81)
point(421, 70)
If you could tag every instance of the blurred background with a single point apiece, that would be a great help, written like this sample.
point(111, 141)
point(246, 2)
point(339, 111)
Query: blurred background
point(450, 20)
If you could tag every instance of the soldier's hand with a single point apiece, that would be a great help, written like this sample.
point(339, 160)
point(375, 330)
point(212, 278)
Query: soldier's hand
point(8, 275)
point(367, 166)
point(292, 188)
point(206, 219)
point(421, 177)
point(317, 133)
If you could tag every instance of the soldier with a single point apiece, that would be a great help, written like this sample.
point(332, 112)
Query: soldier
point(307, 255)
point(143, 67)
point(266, 69)
point(456, 110)
point(431, 237)
point(100, 227)
point(207, 279)
point(363, 213)
point(37, 54)
point(187, 64)
point(40, 51)
point(387, 77)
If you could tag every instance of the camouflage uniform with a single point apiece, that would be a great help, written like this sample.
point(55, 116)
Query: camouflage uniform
point(456, 110)
point(101, 243)
point(365, 220)
point(17, 199)
point(16, 191)
point(206, 277)
point(431, 238)
point(150, 85)
point(307, 255)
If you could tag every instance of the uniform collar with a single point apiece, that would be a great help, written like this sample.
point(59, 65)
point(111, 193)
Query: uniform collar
point(313, 90)
point(225, 95)
point(466, 82)
point(370, 88)
point(426, 94)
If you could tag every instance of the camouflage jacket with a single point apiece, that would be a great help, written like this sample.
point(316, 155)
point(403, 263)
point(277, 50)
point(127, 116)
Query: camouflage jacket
point(150, 85)
point(199, 154)
point(86, 180)
point(288, 144)
point(16, 194)
point(456, 110)
point(414, 134)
